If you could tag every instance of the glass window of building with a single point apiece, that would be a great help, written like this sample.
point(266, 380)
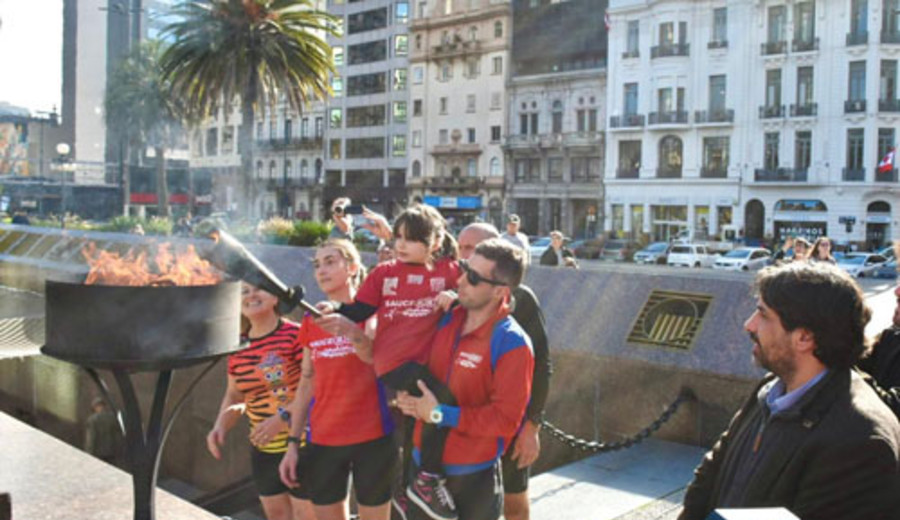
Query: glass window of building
point(366, 148)
point(470, 103)
point(399, 79)
point(670, 156)
point(368, 52)
point(367, 21)
point(273, 128)
point(803, 150)
point(288, 129)
point(417, 108)
point(557, 117)
point(473, 66)
point(401, 12)
point(777, 23)
point(304, 169)
point(632, 45)
point(855, 148)
point(629, 159)
point(446, 71)
point(336, 119)
point(631, 99)
point(401, 45)
point(443, 136)
point(320, 127)
point(423, 10)
point(717, 93)
point(416, 138)
point(771, 160)
point(227, 140)
point(337, 87)
point(212, 142)
point(272, 169)
point(443, 105)
point(496, 100)
point(495, 134)
point(804, 86)
point(890, 19)
point(720, 25)
point(470, 134)
point(715, 156)
point(523, 124)
point(534, 123)
point(372, 115)
point(805, 22)
point(473, 33)
point(416, 169)
point(365, 84)
point(555, 168)
point(495, 168)
point(859, 17)
point(857, 81)
point(398, 145)
point(498, 29)
point(448, 6)
point(259, 169)
point(418, 75)
point(337, 54)
point(259, 130)
point(304, 127)
point(885, 141)
point(666, 34)
point(334, 147)
point(773, 87)
point(472, 167)
point(399, 112)
point(497, 65)
point(288, 169)
point(888, 83)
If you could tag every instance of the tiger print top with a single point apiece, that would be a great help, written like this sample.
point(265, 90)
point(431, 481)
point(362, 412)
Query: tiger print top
point(267, 373)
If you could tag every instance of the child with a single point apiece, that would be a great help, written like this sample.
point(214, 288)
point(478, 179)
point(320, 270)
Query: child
point(406, 295)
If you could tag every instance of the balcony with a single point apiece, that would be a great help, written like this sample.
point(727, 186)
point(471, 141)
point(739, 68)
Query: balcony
point(857, 38)
point(582, 138)
point(627, 55)
point(456, 149)
point(889, 105)
point(853, 175)
point(717, 44)
point(628, 173)
point(674, 117)
point(854, 106)
point(295, 143)
point(456, 47)
point(890, 36)
point(627, 121)
point(771, 48)
point(713, 116)
point(713, 172)
point(804, 110)
point(780, 175)
point(454, 182)
point(890, 176)
point(805, 45)
point(670, 49)
point(523, 140)
point(771, 111)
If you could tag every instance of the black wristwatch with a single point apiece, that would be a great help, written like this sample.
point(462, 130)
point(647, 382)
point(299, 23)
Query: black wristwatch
point(294, 440)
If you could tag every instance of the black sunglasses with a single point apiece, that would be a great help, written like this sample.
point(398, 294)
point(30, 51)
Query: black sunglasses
point(474, 278)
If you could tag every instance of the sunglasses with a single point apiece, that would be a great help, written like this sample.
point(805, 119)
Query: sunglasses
point(474, 278)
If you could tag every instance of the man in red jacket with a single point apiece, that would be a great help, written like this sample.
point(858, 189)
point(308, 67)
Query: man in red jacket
point(486, 360)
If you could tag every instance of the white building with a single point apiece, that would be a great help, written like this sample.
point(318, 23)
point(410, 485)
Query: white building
point(459, 62)
point(768, 116)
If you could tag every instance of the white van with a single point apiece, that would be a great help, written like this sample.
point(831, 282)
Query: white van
point(690, 255)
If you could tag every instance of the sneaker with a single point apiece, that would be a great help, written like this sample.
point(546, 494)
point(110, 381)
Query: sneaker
point(399, 506)
point(430, 493)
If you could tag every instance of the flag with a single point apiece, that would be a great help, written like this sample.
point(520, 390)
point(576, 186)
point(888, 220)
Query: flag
point(887, 162)
point(606, 20)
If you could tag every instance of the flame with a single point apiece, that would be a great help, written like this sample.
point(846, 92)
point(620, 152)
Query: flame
point(168, 267)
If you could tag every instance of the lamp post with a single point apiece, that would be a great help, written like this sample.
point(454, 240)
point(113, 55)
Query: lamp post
point(62, 152)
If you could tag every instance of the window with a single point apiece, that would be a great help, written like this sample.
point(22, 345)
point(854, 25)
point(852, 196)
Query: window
point(586, 119)
point(212, 141)
point(773, 87)
point(857, 87)
point(319, 127)
point(446, 72)
point(859, 16)
point(495, 168)
point(497, 65)
point(629, 159)
point(717, 89)
point(498, 29)
point(227, 140)
point(401, 12)
point(418, 75)
point(259, 169)
point(417, 107)
point(804, 86)
point(373, 115)
point(367, 21)
point(398, 145)
point(448, 6)
point(367, 52)
point(495, 134)
point(304, 169)
point(473, 65)
point(304, 127)
point(401, 45)
point(288, 169)
point(557, 117)
point(423, 10)
point(771, 159)
point(366, 84)
point(473, 33)
point(670, 156)
point(885, 141)
point(399, 112)
point(470, 134)
point(523, 124)
point(528, 170)
point(273, 129)
point(631, 99)
point(632, 46)
point(777, 23)
point(336, 118)
point(805, 22)
point(416, 138)
point(366, 148)
point(666, 34)
point(337, 87)
point(534, 123)
point(259, 130)
point(337, 54)
point(470, 103)
point(416, 169)
point(715, 156)
point(471, 168)
point(443, 105)
point(555, 168)
point(803, 150)
point(418, 42)
point(888, 83)
point(720, 25)
point(855, 148)
point(496, 100)
point(443, 137)
point(399, 79)
point(272, 167)
point(288, 128)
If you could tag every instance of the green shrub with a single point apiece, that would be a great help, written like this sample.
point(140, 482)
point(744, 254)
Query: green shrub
point(309, 233)
point(275, 230)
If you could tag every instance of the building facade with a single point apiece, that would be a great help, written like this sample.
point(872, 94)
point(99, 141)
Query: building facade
point(766, 117)
point(555, 144)
point(459, 63)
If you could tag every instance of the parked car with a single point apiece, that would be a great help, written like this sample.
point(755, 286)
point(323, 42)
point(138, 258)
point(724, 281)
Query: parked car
point(617, 250)
point(744, 259)
point(537, 248)
point(886, 270)
point(861, 264)
point(887, 252)
point(690, 255)
point(587, 248)
point(655, 253)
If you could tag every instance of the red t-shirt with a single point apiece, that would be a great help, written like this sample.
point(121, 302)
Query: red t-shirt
point(267, 373)
point(407, 319)
point(350, 406)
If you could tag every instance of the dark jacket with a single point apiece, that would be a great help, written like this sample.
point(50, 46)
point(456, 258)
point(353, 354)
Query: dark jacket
point(549, 256)
point(883, 365)
point(834, 455)
point(527, 312)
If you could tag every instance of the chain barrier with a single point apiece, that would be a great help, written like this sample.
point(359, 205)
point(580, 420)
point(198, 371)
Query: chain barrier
point(604, 447)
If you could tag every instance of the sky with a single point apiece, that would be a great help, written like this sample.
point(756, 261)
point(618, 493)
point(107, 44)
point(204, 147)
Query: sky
point(31, 53)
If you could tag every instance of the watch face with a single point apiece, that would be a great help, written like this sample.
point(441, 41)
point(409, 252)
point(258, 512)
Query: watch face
point(436, 416)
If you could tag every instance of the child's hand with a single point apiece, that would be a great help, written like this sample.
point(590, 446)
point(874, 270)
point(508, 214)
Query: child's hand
point(326, 307)
point(445, 300)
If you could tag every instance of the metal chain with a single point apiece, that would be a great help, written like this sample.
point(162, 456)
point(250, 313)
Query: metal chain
point(603, 447)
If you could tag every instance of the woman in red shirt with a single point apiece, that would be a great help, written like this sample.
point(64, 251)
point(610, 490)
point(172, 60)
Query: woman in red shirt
point(262, 382)
point(349, 424)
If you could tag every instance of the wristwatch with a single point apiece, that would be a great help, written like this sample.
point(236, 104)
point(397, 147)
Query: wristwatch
point(436, 416)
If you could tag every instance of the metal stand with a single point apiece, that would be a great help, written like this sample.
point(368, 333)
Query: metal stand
point(145, 446)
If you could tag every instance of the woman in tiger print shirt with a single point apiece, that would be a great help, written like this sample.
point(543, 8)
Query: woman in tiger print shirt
point(262, 381)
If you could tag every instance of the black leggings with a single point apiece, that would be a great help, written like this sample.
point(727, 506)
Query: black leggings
point(404, 378)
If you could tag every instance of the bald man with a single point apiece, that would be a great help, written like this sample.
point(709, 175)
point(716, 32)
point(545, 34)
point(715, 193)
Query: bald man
point(526, 446)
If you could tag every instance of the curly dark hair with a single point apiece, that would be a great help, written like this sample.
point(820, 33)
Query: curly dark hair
point(824, 300)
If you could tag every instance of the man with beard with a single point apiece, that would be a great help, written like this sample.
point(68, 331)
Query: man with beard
point(814, 437)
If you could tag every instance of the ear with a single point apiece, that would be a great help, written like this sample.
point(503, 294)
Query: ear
point(803, 341)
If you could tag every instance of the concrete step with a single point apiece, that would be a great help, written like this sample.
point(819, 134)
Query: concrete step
point(644, 482)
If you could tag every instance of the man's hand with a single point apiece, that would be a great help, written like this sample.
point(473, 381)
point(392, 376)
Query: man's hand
point(444, 300)
point(377, 224)
point(418, 407)
point(265, 431)
point(287, 470)
point(527, 448)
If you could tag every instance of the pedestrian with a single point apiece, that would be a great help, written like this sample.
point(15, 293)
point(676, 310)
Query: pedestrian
point(407, 295)
point(350, 425)
point(525, 447)
point(342, 223)
point(813, 437)
point(821, 252)
point(103, 435)
point(513, 235)
point(262, 381)
point(882, 363)
point(557, 254)
point(486, 359)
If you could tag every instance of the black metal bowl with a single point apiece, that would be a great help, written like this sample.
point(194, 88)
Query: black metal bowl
point(141, 328)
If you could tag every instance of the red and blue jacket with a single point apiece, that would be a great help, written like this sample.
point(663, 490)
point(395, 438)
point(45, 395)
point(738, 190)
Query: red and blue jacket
point(489, 371)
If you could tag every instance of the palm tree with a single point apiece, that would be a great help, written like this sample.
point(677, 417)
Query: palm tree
point(255, 49)
point(140, 110)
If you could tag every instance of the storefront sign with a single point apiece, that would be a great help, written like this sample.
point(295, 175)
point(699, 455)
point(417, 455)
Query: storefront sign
point(453, 202)
point(798, 216)
point(878, 219)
